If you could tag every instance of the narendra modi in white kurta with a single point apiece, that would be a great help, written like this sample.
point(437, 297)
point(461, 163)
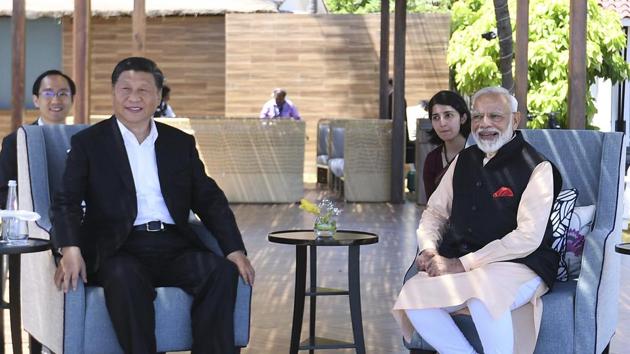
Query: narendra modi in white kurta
point(488, 276)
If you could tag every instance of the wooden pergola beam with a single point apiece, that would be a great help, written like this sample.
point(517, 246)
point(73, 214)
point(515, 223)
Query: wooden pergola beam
point(577, 64)
point(139, 24)
point(521, 55)
point(81, 60)
point(383, 95)
point(18, 62)
point(398, 124)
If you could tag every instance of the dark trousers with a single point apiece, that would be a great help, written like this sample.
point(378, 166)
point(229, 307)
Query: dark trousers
point(156, 259)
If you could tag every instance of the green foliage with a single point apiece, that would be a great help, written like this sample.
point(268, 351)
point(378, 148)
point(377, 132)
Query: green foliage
point(374, 6)
point(474, 60)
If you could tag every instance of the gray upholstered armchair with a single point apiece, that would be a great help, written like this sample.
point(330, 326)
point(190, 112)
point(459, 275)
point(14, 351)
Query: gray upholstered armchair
point(78, 322)
point(580, 315)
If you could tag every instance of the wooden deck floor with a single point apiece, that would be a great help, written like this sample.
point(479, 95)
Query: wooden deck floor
point(382, 268)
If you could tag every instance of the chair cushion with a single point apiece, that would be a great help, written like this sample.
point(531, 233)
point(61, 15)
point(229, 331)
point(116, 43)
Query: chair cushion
point(465, 324)
point(560, 216)
point(322, 159)
point(557, 325)
point(336, 166)
point(580, 225)
point(556, 329)
point(172, 326)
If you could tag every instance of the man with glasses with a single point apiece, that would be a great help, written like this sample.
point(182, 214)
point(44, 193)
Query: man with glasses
point(485, 239)
point(53, 93)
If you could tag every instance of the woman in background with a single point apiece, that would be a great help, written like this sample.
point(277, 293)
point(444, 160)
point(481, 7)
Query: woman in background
point(450, 118)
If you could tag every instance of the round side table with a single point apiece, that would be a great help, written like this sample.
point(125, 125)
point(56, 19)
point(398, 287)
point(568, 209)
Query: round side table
point(15, 250)
point(306, 238)
point(623, 248)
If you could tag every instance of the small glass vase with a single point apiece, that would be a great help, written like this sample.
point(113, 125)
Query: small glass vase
point(325, 227)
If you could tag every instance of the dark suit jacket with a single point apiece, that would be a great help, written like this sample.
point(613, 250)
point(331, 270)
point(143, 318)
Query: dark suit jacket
point(8, 165)
point(98, 172)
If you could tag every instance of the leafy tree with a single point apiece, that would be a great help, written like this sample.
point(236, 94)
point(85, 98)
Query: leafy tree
point(374, 6)
point(474, 59)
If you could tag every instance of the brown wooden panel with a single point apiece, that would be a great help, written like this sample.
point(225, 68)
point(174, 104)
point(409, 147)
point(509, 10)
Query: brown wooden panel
point(190, 51)
point(227, 66)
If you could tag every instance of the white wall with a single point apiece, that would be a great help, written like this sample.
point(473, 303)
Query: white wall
point(603, 119)
point(302, 6)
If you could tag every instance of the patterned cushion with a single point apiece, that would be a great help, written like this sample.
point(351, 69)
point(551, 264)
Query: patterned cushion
point(580, 225)
point(560, 217)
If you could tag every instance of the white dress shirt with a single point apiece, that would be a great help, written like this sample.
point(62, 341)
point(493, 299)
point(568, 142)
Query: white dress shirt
point(151, 205)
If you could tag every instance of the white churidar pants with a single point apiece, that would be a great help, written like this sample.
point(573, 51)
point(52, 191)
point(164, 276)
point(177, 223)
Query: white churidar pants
point(437, 327)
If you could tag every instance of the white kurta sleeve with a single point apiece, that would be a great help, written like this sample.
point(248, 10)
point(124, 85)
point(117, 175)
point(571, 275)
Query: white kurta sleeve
point(436, 215)
point(533, 215)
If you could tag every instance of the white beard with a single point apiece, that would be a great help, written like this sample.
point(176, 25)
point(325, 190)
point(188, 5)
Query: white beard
point(490, 147)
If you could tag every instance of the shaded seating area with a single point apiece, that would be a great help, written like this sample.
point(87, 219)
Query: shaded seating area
point(579, 315)
point(78, 322)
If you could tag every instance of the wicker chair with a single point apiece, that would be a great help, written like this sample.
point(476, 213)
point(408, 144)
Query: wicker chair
point(252, 160)
point(367, 160)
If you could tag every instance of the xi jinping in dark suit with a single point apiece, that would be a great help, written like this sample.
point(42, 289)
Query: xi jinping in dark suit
point(139, 179)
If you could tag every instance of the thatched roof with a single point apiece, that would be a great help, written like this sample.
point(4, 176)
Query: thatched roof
point(107, 8)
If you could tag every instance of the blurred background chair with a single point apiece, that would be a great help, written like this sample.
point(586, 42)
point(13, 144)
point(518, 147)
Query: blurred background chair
point(254, 160)
point(579, 315)
point(323, 130)
point(335, 154)
point(78, 322)
point(367, 160)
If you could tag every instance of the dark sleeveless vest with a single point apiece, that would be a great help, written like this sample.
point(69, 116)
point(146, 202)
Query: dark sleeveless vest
point(478, 217)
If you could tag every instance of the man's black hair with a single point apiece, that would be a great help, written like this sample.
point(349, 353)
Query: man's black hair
point(38, 82)
point(139, 64)
point(449, 98)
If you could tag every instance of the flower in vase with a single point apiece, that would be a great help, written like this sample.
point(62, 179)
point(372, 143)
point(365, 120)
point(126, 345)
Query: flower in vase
point(309, 207)
point(325, 224)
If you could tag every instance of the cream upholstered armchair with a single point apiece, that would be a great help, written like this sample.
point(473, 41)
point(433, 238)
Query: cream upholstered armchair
point(78, 322)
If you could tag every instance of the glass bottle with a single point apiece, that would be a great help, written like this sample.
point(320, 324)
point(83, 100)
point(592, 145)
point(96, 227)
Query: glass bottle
point(10, 223)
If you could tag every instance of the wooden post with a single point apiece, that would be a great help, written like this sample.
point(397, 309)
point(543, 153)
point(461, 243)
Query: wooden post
point(577, 64)
point(18, 60)
point(81, 54)
point(398, 124)
point(383, 96)
point(139, 24)
point(522, 42)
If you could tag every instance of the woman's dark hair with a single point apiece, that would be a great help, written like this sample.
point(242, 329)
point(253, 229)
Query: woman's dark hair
point(449, 98)
point(138, 64)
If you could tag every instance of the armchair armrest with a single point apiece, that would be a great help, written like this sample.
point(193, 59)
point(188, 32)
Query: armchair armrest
point(42, 302)
point(243, 293)
point(590, 302)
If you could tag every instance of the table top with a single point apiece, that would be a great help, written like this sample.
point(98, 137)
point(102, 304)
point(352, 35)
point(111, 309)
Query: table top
point(308, 238)
point(623, 248)
point(31, 245)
